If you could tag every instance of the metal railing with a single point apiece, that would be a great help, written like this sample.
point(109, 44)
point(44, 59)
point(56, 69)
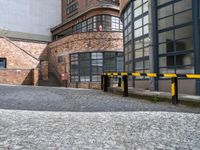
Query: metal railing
point(123, 81)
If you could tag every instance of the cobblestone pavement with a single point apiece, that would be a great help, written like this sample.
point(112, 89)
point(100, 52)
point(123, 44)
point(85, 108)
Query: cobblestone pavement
point(59, 119)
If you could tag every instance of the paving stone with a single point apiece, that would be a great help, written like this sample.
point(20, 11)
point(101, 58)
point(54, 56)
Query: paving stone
point(57, 118)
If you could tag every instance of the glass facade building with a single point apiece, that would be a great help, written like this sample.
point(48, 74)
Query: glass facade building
point(88, 66)
point(162, 36)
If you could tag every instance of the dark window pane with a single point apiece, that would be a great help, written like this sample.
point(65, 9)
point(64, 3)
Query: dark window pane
point(185, 44)
point(2, 62)
point(184, 32)
point(184, 59)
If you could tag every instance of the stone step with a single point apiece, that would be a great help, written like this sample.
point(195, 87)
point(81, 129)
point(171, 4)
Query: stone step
point(52, 81)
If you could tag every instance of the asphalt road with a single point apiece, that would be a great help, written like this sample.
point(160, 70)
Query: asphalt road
point(57, 118)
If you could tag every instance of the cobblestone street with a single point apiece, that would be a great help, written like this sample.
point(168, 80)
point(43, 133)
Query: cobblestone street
point(60, 118)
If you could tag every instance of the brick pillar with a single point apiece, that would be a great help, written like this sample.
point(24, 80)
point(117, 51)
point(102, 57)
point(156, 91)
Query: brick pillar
point(35, 76)
point(44, 70)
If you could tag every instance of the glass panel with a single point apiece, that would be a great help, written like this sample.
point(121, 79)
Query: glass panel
point(138, 44)
point(165, 11)
point(138, 23)
point(184, 59)
point(183, 17)
point(182, 5)
point(146, 19)
point(138, 12)
point(145, 7)
point(166, 47)
point(146, 51)
point(137, 3)
point(184, 32)
point(138, 32)
point(146, 29)
point(185, 44)
point(2, 63)
point(166, 36)
point(139, 65)
point(167, 61)
point(139, 53)
point(146, 64)
point(165, 23)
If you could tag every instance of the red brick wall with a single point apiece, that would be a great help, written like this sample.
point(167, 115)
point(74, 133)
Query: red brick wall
point(17, 77)
point(19, 64)
point(44, 70)
point(35, 76)
point(16, 59)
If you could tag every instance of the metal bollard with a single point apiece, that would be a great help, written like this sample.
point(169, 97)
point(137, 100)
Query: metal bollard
point(66, 83)
point(119, 82)
point(174, 90)
point(102, 81)
point(105, 88)
point(125, 85)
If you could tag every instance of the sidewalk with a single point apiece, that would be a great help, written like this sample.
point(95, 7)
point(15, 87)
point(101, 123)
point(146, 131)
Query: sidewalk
point(158, 96)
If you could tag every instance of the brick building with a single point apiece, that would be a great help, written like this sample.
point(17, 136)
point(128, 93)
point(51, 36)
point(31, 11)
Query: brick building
point(87, 42)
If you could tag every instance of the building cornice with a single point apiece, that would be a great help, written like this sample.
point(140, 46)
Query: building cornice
point(112, 7)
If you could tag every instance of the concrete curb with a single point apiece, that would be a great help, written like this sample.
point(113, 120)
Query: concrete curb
point(190, 100)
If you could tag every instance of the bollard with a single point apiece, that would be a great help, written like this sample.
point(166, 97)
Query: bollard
point(125, 85)
point(174, 89)
point(119, 82)
point(76, 84)
point(102, 81)
point(105, 88)
point(66, 83)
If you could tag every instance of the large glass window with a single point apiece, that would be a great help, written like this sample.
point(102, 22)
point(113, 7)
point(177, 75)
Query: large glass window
point(88, 67)
point(127, 19)
point(175, 36)
point(74, 65)
point(141, 36)
point(136, 36)
point(95, 23)
point(84, 68)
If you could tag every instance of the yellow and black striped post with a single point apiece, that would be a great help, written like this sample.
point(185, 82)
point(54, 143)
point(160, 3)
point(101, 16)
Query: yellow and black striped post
point(125, 85)
point(174, 89)
point(119, 82)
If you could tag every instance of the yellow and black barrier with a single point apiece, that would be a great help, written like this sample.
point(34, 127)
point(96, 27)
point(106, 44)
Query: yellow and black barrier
point(174, 90)
point(124, 81)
